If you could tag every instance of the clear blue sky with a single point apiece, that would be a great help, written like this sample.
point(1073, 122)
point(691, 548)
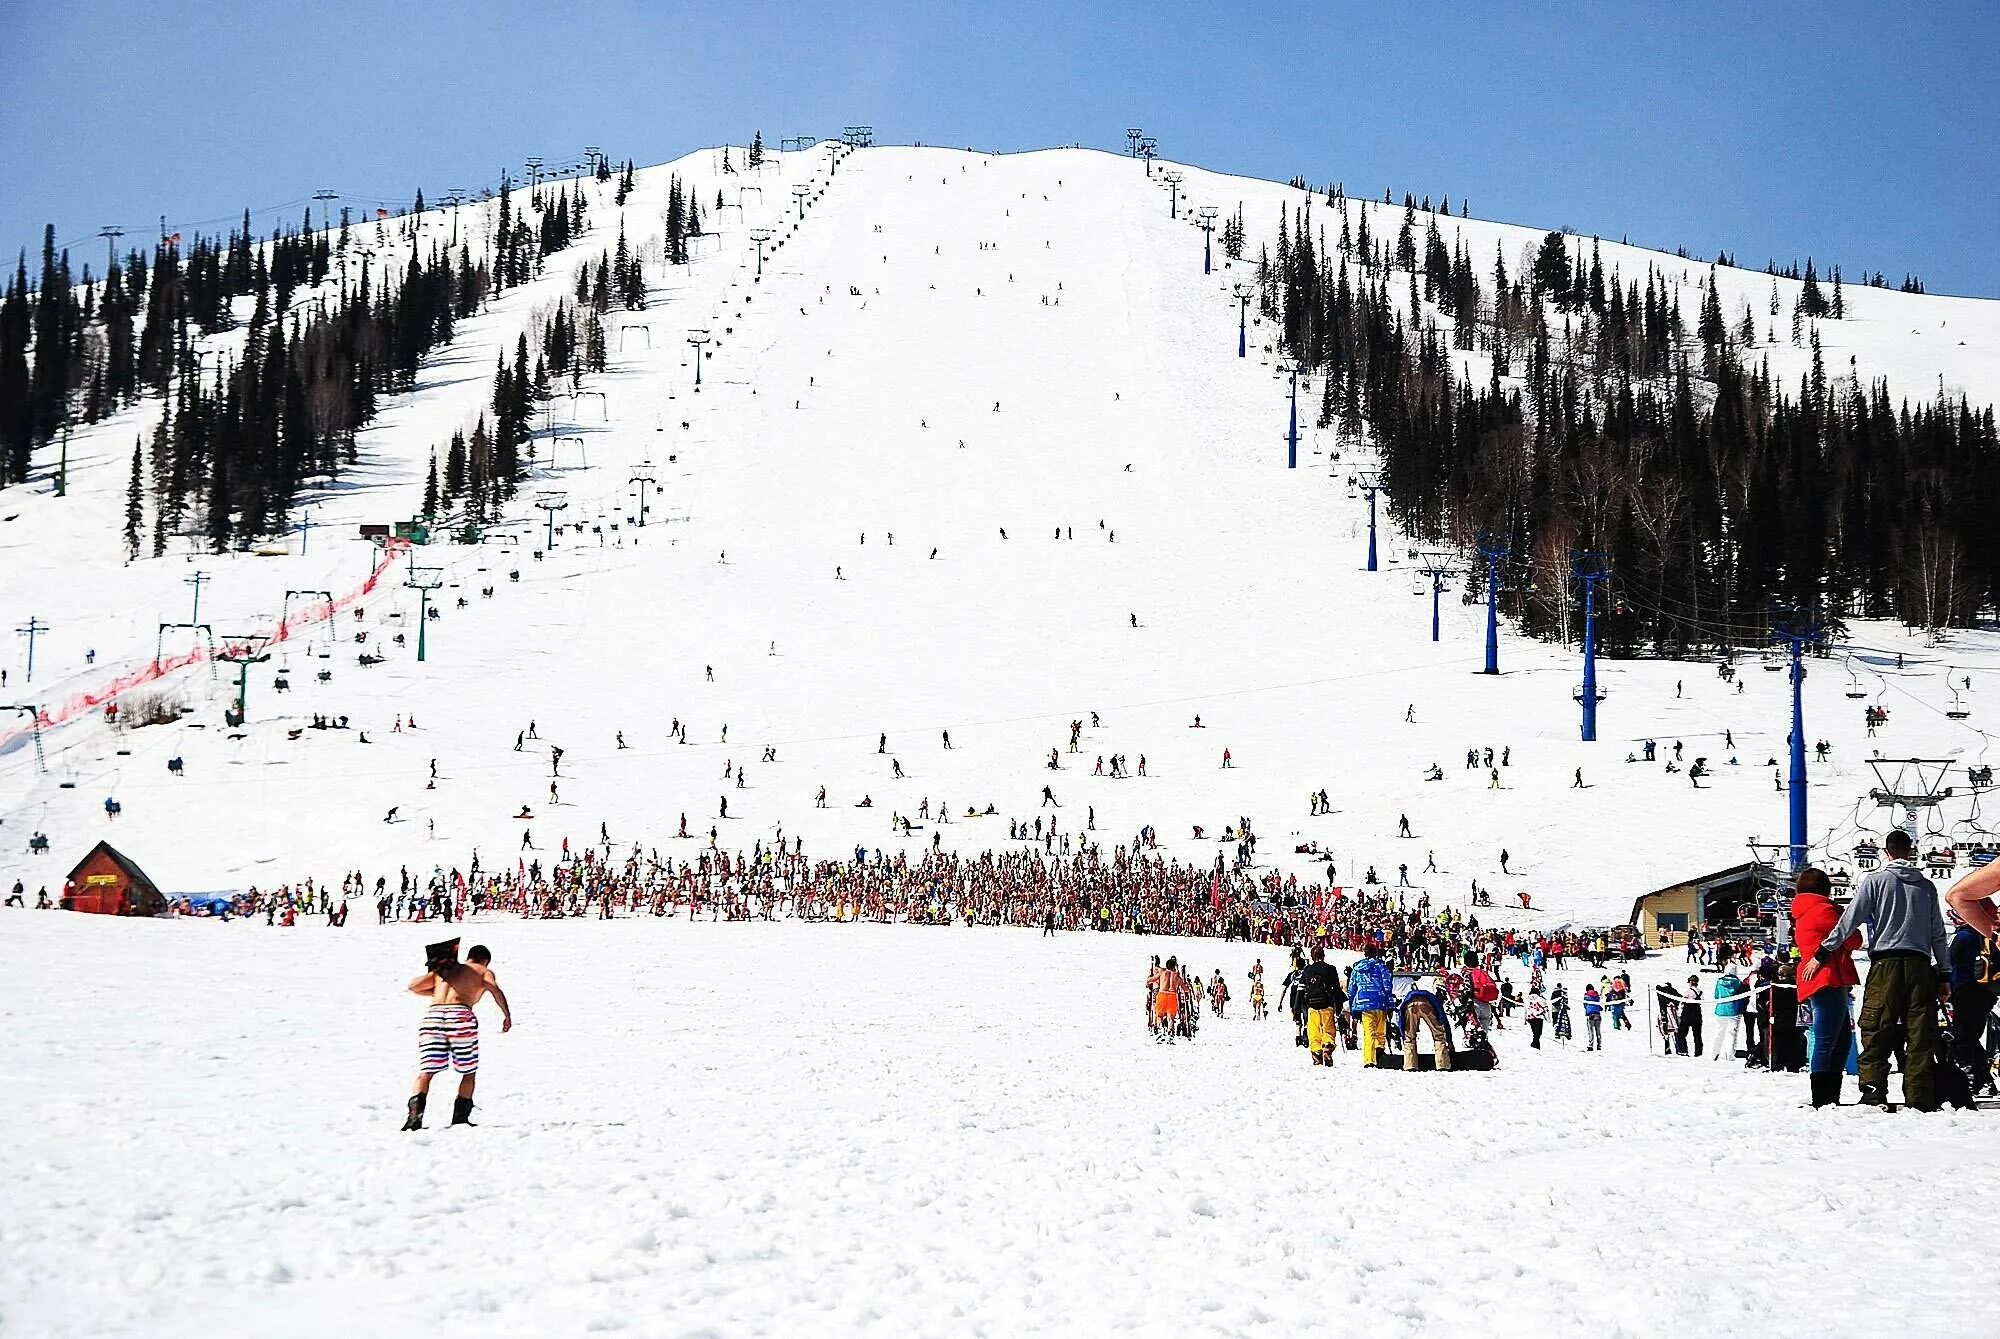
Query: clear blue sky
point(1863, 134)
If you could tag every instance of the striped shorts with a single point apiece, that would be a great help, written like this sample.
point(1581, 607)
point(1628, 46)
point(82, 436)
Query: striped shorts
point(448, 1034)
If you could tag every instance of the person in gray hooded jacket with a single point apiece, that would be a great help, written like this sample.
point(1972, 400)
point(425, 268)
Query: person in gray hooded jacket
point(1908, 953)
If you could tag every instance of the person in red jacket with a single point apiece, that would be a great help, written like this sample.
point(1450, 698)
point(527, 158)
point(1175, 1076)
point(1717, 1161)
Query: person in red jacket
point(1829, 992)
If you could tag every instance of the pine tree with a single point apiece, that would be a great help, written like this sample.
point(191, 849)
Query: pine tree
point(1551, 272)
point(1812, 299)
point(135, 502)
point(757, 149)
point(431, 489)
point(479, 471)
point(454, 466)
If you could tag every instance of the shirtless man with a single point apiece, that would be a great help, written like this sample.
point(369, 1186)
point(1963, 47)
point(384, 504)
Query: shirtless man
point(449, 1033)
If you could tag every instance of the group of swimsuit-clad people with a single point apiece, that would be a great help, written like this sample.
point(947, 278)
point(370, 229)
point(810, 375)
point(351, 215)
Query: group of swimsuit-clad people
point(1174, 998)
point(1117, 890)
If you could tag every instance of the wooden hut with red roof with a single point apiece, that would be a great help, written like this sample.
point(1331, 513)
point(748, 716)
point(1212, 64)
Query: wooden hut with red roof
point(107, 883)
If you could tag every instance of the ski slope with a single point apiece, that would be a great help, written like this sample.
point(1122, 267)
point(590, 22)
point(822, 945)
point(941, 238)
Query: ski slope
point(744, 1129)
point(949, 346)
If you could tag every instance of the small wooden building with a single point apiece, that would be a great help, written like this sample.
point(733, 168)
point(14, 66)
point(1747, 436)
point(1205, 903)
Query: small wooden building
point(1712, 899)
point(107, 883)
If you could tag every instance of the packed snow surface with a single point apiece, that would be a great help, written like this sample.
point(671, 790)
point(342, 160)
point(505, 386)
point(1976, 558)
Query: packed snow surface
point(833, 1128)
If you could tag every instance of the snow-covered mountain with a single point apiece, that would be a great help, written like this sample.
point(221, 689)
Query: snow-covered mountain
point(975, 453)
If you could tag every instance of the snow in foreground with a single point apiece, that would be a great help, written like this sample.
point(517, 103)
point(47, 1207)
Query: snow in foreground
point(814, 1129)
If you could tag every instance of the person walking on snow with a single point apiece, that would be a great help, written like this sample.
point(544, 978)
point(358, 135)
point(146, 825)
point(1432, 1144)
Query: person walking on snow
point(449, 1033)
point(1370, 995)
point(1909, 952)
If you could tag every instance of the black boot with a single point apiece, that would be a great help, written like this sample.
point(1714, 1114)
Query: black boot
point(461, 1111)
point(416, 1116)
point(1826, 1089)
point(1874, 1097)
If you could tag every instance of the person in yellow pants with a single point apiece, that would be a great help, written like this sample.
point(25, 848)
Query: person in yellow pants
point(1370, 995)
point(1374, 1035)
point(1319, 985)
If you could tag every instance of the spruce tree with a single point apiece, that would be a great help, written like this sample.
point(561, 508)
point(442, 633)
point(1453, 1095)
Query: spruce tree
point(431, 489)
point(1812, 299)
point(135, 502)
point(454, 466)
point(1551, 270)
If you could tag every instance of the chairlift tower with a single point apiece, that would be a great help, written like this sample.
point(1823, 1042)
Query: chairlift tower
point(160, 641)
point(35, 728)
point(32, 629)
point(1243, 294)
point(1436, 566)
point(1913, 785)
point(424, 580)
point(799, 193)
point(1133, 135)
point(1590, 568)
point(550, 503)
point(324, 599)
point(534, 166)
point(196, 581)
point(1290, 366)
point(760, 236)
point(1148, 146)
point(642, 479)
point(1370, 482)
point(1798, 630)
point(110, 232)
point(1494, 552)
point(1206, 214)
point(1173, 180)
point(696, 339)
point(243, 659)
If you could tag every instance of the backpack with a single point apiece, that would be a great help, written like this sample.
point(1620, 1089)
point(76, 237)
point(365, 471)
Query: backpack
point(1483, 988)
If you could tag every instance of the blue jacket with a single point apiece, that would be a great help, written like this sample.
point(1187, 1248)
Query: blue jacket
point(1369, 987)
point(1593, 1003)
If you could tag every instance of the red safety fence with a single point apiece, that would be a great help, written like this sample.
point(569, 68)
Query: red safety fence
point(80, 704)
